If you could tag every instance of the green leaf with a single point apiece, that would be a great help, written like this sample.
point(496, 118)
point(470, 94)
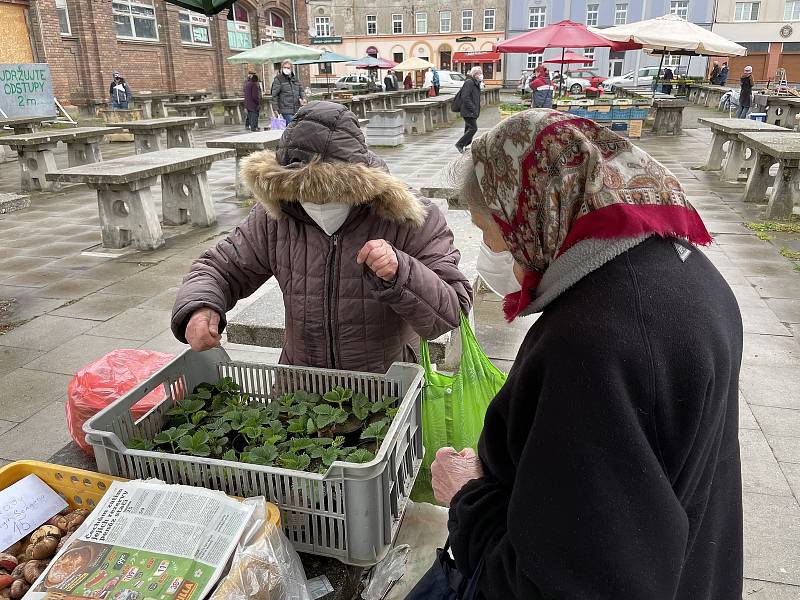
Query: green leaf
point(199, 416)
point(340, 416)
point(299, 409)
point(263, 455)
point(311, 427)
point(195, 444)
point(330, 456)
point(140, 444)
point(230, 455)
point(376, 431)
point(171, 435)
point(294, 462)
point(297, 425)
point(361, 406)
point(300, 444)
point(361, 455)
point(324, 409)
point(324, 441)
point(203, 393)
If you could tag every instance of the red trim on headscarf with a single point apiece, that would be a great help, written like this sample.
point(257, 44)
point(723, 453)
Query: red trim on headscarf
point(515, 303)
point(633, 220)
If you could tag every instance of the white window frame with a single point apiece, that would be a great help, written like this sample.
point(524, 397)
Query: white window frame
point(448, 19)
point(672, 60)
point(132, 18)
point(588, 53)
point(534, 60)
point(397, 19)
point(739, 15)
point(61, 5)
point(193, 20)
point(679, 8)
point(537, 17)
point(791, 10)
point(621, 13)
point(465, 15)
point(372, 20)
point(592, 10)
point(322, 26)
point(421, 23)
point(489, 19)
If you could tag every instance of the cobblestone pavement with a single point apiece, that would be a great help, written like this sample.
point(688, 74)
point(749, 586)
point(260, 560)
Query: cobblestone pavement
point(75, 307)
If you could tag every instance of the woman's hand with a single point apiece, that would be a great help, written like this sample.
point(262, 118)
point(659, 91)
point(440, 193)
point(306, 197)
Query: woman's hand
point(452, 470)
point(202, 331)
point(380, 258)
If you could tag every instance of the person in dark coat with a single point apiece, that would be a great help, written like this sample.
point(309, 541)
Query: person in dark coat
point(389, 82)
point(470, 106)
point(608, 467)
point(745, 93)
point(542, 88)
point(723, 74)
point(408, 83)
point(120, 92)
point(666, 87)
point(252, 102)
point(287, 93)
point(715, 71)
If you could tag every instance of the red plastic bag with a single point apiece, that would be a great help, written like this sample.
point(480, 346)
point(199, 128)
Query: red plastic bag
point(106, 380)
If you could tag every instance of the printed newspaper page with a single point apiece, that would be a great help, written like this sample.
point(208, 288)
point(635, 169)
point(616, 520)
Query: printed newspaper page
point(147, 541)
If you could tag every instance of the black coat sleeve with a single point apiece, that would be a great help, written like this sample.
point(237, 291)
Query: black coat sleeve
point(575, 503)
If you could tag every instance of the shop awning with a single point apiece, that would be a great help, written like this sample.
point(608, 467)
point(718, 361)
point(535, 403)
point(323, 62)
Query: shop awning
point(476, 57)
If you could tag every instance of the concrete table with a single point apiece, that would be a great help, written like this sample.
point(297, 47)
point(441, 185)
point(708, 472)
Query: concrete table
point(386, 128)
point(244, 145)
point(36, 158)
point(233, 108)
point(419, 118)
point(772, 147)
point(152, 103)
point(190, 96)
point(22, 125)
point(727, 131)
point(783, 110)
point(441, 112)
point(147, 133)
point(669, 117)
point(200, 108)
point(127, 212)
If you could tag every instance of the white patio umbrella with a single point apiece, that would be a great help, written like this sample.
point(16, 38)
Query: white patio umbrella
point(671, 34)
point(415, 63)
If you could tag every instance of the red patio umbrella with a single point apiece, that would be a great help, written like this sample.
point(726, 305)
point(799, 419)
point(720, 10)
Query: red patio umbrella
point(569, 58)
point(564, 34)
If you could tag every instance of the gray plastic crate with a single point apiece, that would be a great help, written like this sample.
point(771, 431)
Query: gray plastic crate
point(351, 513)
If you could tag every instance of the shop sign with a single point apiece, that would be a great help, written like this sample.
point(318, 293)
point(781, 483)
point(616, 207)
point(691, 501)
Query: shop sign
point(328, 39)
point(466, 38)
point(26, 89)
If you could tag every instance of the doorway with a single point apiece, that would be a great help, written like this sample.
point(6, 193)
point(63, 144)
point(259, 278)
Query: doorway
point(616, 63)
point(445, 60)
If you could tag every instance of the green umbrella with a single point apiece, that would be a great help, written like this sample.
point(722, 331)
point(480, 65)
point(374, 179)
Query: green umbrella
point(326, 58)
point(273, 52)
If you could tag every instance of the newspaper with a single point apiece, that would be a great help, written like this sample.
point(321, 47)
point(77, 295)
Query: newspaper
point(147, 541)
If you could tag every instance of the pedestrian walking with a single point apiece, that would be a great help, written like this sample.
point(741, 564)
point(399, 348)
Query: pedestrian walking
point(389, 82)
point(469, 106)
point(723, 74)
point(746, 92)
point(609, 462)
point(287, 93)
point(715, 71)
point(366, 265)
point(252, 102)
point(666, 87)
point(120, 92)
point(542, 89)
point(435, 80)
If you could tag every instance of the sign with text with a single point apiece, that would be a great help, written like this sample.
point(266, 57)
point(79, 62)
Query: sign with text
point(26, 90)
point(328, 39)
point(24, 506)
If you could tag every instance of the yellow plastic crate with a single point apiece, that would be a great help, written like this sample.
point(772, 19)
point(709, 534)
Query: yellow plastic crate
point(81, 489)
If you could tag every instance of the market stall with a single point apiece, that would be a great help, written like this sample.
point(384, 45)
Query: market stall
point(489, 61)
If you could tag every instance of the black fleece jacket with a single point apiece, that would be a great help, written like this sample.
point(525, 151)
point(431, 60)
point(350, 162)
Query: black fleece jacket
point(611, 455)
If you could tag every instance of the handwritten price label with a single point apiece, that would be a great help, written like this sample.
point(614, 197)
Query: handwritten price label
point(24, 506)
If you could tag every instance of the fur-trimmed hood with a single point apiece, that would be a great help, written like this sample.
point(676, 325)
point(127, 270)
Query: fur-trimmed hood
point(320, 182)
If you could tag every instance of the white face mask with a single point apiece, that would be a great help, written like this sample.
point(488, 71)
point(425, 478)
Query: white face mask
point(287, 71)
point(330, 217)
point(497, 270)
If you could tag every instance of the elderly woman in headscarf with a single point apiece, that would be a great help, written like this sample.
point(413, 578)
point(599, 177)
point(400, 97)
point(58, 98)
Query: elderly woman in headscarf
point(609, 463)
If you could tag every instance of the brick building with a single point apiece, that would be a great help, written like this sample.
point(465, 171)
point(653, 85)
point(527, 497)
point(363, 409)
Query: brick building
point(156, 46)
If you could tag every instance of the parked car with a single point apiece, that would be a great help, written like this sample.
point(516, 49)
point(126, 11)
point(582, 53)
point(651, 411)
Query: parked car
point(594, 79)
point(449, 81)
point(646, 75)
point(572, 85)
point(346, 81)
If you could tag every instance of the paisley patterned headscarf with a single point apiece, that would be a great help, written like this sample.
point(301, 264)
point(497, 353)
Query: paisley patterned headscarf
point(551, 179)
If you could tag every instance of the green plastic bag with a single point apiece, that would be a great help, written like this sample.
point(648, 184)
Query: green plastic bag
point(454, 406)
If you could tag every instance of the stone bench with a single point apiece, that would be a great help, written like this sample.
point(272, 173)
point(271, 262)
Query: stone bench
point(191, 96)
point(199, 108)
point(668, 119)
point(22, 125)
point(152, 103)
point(243, 145)
point(774, 147)
point(147, 133)
point(726, 131)
point(386, 128)
point(490, 95)
point(262, 322)
point(412, 95)
point(127, 212)
point(782, 110)
point(418, 118)
point(36, 158)
point(441, 114)
point(233, 109)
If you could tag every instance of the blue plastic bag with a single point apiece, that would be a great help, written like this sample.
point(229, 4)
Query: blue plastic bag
point(278, 123)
